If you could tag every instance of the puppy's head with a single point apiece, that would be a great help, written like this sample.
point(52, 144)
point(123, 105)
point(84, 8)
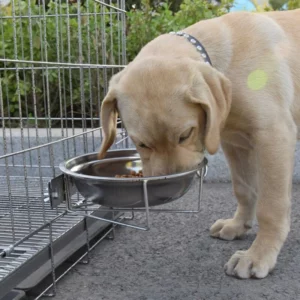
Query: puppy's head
point(172, 109)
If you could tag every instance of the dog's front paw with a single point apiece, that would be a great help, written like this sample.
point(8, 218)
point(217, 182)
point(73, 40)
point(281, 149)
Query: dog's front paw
point(246, 264)
point(228, 229)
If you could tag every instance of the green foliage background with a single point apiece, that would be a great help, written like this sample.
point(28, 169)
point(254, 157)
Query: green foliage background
point(145, 20)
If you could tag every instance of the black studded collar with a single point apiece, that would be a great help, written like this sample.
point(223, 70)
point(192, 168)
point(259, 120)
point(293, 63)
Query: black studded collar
point(200, 48)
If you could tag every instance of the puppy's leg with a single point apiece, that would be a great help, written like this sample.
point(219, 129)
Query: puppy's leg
point(244, 178)
point(274, 148)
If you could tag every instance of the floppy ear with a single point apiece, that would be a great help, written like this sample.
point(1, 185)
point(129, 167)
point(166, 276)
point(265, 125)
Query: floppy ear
point(108, 116)
point(212, 90)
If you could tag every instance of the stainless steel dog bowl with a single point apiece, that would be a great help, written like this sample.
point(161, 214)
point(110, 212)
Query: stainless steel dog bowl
point(96, 182)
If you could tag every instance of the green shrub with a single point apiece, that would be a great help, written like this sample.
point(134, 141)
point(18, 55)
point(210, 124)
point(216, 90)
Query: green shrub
point(67, 89)
point(293, 4)
point(150, 21)
point(49, 41)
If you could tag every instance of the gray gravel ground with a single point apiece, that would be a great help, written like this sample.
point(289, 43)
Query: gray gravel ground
point(178, 260)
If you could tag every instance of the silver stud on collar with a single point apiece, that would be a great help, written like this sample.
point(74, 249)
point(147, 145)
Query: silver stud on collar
point(196, 43)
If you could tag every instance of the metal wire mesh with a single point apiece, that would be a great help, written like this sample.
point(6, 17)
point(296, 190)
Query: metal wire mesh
point(56, 58)
point(24, 224)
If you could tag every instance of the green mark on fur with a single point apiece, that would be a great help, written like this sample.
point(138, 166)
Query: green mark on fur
point(257, 80)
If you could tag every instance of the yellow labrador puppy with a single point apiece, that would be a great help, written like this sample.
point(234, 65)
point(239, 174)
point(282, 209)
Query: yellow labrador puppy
point(175, 105)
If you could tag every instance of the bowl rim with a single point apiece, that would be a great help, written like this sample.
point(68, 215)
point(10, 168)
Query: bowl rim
point(65, 170)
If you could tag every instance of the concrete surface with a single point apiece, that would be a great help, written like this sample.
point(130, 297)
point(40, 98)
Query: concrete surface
point(177, 260)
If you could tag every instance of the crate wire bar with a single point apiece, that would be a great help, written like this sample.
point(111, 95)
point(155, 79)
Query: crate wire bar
point(56, 58)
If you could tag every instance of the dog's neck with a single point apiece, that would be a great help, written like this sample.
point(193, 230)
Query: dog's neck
point(216, 42)
point(198, 46)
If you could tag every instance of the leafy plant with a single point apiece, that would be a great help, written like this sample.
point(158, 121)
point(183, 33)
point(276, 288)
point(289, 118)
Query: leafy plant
point(293, 4)
point(149, 21)
point(45, 33)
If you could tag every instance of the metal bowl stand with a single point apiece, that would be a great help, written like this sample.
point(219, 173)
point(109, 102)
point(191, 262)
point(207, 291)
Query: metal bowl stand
point(62, 188)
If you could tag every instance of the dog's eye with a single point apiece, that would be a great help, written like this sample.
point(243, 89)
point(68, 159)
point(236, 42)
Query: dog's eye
point(143, 146)
point(185, 135)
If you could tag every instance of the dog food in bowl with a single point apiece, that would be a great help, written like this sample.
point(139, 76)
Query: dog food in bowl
point(132, 174)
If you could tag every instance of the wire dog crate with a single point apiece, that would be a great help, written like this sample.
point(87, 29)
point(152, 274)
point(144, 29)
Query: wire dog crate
point(56, 58)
